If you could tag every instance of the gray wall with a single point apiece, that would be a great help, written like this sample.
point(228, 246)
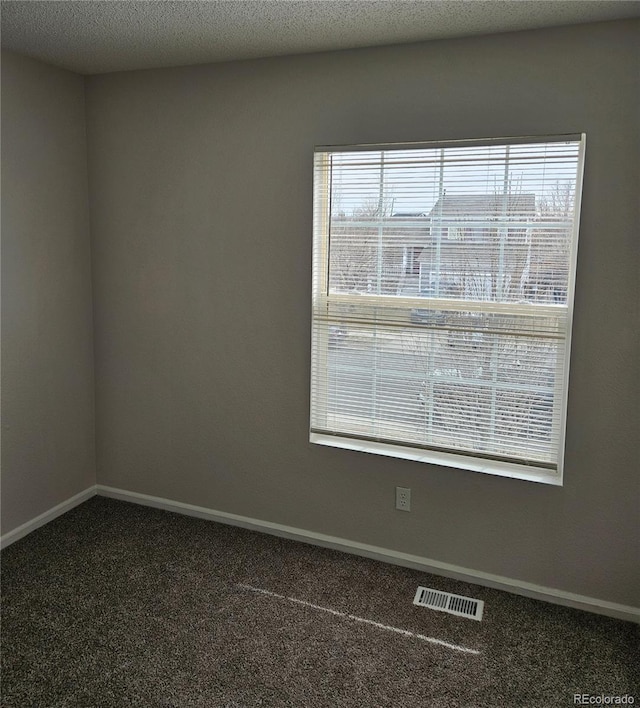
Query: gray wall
point(201, 228)
point(48, 452)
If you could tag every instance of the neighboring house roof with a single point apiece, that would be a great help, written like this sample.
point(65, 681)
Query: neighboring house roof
point(468, 206)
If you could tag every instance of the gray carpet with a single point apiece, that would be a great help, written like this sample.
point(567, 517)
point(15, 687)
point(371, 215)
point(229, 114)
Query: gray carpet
point(115, 604)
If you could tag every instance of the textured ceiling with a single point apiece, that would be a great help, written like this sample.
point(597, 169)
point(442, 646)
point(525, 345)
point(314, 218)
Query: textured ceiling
point(97, 36)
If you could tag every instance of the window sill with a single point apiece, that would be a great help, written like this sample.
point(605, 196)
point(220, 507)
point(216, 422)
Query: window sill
point(446, 459)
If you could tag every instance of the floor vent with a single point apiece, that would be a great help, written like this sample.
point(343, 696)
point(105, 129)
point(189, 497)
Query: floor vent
point(447, 602)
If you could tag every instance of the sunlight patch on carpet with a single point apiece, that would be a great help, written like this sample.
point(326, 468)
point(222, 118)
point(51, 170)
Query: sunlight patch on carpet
point(355, 618)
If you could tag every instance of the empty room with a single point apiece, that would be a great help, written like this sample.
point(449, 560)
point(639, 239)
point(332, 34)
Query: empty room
point(320, 343)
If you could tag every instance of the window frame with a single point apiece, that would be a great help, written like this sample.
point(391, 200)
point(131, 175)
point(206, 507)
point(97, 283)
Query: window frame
point(321, 298)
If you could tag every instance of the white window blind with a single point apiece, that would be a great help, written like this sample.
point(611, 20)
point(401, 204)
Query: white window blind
point(443, 283)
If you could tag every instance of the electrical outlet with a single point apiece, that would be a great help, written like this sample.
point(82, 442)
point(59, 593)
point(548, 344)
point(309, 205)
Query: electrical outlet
point(403, 499)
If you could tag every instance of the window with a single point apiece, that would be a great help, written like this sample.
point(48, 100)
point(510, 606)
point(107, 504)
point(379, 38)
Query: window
point(442, 300)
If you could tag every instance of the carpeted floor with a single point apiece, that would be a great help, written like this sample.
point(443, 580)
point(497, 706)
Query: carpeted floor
point(120, 605)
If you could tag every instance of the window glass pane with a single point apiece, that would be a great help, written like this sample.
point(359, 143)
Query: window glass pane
point(478, 223)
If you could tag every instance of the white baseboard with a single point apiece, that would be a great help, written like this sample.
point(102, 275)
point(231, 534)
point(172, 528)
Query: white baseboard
point(537, 592)
point(12, 536)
